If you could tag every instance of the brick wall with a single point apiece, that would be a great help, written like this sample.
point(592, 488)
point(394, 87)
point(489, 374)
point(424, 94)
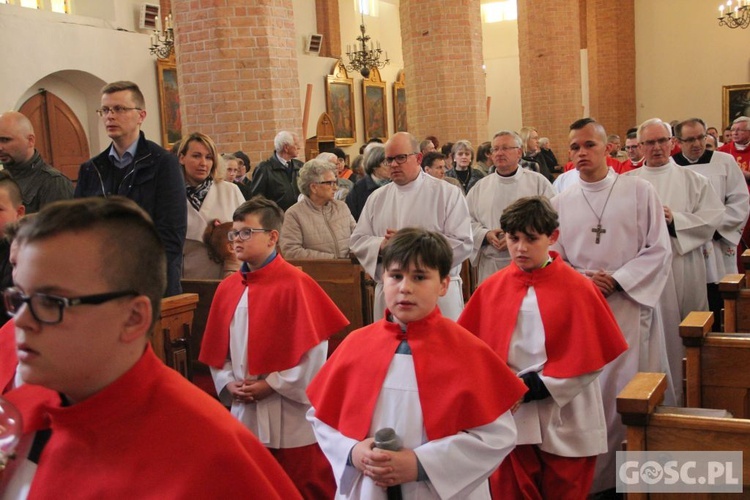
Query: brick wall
point(327, 19)
point(445, 83)
point(237, 69)
point(549, 43)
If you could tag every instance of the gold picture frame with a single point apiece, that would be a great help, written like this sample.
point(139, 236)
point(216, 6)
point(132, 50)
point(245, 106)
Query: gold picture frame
point(400, 123)
point(340, 105)
point(169, 102)
point(735, 102)
point(374, 107)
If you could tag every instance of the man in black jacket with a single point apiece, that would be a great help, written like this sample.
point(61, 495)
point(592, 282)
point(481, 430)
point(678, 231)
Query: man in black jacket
point(276, 177)
point(140, 170)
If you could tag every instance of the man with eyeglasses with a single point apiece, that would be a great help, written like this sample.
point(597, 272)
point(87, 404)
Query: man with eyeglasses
point(692, 213)
point(633, 150)
point(739, 147)
point(40, 183)
point(413, 199)
point(103, 416)
point(141, 170)
point(492, 194)
point(728, 182)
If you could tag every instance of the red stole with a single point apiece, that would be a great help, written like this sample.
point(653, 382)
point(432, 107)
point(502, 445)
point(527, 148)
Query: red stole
point(8, 356)
point(581, 334)
point(288, 314)
point(742, 157)
point(478, 390)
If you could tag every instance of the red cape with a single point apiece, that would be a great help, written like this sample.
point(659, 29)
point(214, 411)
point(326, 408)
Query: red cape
point(742, 157)
point(581, 333)
point(149, 433)
point(8, 355)
point(288, 314)
point(628, 165)
point(481, 387)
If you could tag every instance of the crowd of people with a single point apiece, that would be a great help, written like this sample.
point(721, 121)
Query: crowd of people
point(584, 269)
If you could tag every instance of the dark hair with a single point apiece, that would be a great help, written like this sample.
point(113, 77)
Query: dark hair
point(579, 124)
point(430, 158)
point(420, 247)
point(11, 187)
point(434, 140)
point(447, 148)
point(632, 133)
point(689, 121)
point(533, 213)
point(132, 254)
point(113, 87)
point(242, 156)
point(339, 153)
point(483, 151)
point(269, 213)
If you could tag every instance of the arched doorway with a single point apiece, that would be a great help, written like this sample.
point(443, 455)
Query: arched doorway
point(60, 138)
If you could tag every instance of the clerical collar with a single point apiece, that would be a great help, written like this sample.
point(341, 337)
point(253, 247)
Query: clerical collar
point(244, 268)
point(741, 147)
point(127, 156)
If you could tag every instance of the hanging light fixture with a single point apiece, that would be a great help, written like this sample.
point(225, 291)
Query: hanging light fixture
point(361, 57)
point(162, 42)
point(737, 16)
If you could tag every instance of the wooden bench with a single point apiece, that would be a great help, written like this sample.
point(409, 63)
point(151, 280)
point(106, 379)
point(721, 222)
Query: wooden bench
point(736, 302)
point(172, 332)
point(654, 428)
point(717, 366)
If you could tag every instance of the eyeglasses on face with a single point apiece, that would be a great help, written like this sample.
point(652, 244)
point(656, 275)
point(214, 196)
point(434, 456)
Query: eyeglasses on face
point(399, 159)
point(328, 183)
point(48, 309)
point(653, 142)
point(697, 138)
point(245, 233)
point(118, 110)
point(504, 149)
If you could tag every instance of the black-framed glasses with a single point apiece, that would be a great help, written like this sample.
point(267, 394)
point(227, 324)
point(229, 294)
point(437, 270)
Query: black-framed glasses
point(697, 138)
point(399, 159)
point(504, 149)
point(245, 233)
point(118, 110)
point(651, 143)
point(48, 309)
point(631, 147)
point(328, 183)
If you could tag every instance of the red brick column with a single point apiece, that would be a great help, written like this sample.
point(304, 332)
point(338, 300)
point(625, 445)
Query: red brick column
point(237, 66)
point(549, 43)
point(445, 83)
point(611, 56)
point(327, 19)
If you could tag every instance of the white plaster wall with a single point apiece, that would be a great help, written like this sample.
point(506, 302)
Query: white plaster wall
point(500, 50)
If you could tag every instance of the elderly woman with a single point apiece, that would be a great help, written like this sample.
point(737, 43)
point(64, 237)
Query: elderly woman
point(317, 226)
point(211, 200)
point(377, 173)
point(463, 171)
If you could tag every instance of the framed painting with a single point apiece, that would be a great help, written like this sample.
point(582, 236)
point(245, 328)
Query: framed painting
point(374, 107)
point(736, 102)
point(340, 105)
point(399, 104)
point(169, 102)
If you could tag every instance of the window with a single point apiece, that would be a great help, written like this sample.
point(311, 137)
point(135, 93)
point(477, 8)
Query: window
point(61, 6)
point(367, 7)
point(496, 12)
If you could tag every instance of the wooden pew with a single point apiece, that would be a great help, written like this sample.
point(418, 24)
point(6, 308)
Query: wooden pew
point(716, 366)
point(736, 302)
point(172, 332)
point(654, 428)
point(205, 289)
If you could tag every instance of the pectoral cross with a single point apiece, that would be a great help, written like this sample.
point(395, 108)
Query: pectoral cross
point(598, 230)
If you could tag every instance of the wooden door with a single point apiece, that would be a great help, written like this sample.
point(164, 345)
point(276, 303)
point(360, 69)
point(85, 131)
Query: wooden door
point(59, 135)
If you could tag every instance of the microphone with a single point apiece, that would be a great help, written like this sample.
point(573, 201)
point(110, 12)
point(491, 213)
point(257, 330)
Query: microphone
point(387, 439)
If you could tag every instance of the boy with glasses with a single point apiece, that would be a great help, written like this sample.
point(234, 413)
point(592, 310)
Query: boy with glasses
point(265, 338)
point(103, 416)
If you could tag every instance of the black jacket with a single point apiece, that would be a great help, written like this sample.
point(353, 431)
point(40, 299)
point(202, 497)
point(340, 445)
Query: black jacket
point(157, 185)
point(273, 180)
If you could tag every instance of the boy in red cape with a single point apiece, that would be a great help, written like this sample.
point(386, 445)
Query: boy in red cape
point(265, 339)
point(89, 277)
point(555, 330)
point(442, 390)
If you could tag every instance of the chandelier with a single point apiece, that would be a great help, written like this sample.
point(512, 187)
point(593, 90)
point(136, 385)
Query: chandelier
point(737, 16)
point(162, 42)
point(362, 58)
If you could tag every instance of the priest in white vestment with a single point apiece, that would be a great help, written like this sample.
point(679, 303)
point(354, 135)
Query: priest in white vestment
point(412, 199)
point(489, 197)
point(612, 229)
point(692, 211)
point(726, 178)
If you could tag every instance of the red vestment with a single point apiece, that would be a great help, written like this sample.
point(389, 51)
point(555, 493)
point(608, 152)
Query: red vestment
point(611, 162)
point(288, 314)
point(480, 388)
point(628, 165)
point(8, 356)
point(149, 434)
point(581, 334)
point(743, 160)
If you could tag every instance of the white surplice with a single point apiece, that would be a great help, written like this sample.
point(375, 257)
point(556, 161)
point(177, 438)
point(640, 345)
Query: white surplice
point(457, 466)
point(635, 251)
point(487, 200)
point(569, 423)
point(727, 180)
point(278, 421)
point(697, 212)
point(428, 203)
